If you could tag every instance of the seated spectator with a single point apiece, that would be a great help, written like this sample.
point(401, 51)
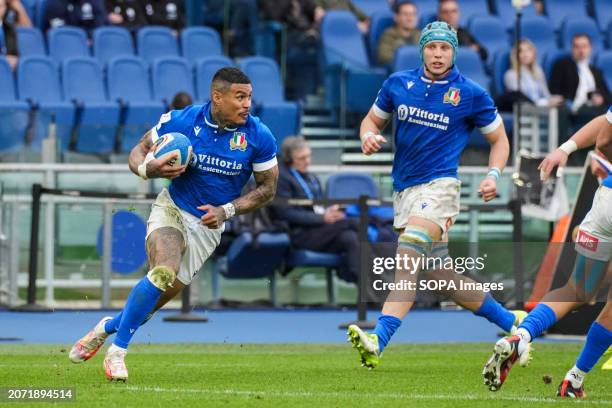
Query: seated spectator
point(12, 15)
point(314, 228)
point(167, 13)
point(533, 80)
point(181, 100)
point(404, 32)
point(324, 5)
point(126, 13)
point(87, 14)
point(448, 10)
point(580, 83)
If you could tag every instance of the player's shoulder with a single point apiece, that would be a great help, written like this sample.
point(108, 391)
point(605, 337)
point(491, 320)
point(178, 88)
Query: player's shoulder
point(402, 76)
point(188, 114)
point(469, 87)
point(256, 126)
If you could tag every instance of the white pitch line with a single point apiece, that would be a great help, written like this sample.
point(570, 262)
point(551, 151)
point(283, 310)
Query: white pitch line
point(402, 396)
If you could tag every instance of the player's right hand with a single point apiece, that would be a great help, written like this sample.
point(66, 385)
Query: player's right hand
point(557, 158)
point(163, 168)
point(372, 144)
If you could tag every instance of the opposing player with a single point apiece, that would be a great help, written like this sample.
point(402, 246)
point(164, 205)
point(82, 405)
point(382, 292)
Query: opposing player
point(187, 220)
point(437, 108)
point(594, 248)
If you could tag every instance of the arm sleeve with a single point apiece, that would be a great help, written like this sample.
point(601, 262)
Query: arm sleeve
point(168, 122)
point(484, 112)
point(265, 158)
point(510, 80)
point(383, 105)
point(609, 115)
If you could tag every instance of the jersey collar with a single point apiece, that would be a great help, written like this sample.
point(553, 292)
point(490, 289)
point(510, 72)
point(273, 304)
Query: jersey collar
point(452, 75)
point(209, 121)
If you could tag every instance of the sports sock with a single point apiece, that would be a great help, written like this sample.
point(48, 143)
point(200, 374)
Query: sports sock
point(491, 310)
point(112, 325)
point(575, 376)
point(541, 318)
point(597, 342)
point(386, 326)
point(140, 302)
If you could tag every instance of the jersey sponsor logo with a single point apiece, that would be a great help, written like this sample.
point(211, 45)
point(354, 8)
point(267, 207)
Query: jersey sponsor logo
point(214, 164)
point(422, 117)
point(238, 141)
point(587, 241)
point(196, 130)
point(452, 96)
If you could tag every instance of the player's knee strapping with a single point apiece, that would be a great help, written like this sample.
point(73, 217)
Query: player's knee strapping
point(162, 277)
point(594, 273)
point(417, 239)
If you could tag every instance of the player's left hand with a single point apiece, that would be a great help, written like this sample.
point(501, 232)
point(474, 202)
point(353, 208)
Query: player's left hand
point(488, 189)
point(214, 217)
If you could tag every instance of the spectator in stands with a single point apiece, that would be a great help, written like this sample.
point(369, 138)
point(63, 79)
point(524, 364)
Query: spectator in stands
point(314, 228)
point(181, 100)
point(324, 5)
point(12, 15)
point(580, 83)
point(87, 14)
point(404, 32)
point(167, 13)
point(126, 13)
point(448, 10)
point(533, 80)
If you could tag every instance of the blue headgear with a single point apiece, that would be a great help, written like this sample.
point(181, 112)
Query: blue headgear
point(439, 31)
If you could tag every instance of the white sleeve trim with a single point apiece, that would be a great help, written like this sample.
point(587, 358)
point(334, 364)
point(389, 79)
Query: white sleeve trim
point(609, 116)
point(492, 126)
point(265, 165)
point(154, 135)
point(380, 113)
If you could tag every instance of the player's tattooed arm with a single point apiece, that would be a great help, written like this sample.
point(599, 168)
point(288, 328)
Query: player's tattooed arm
point(155, 167)
point(263, 194)
point(604, 140)
point(139, 152)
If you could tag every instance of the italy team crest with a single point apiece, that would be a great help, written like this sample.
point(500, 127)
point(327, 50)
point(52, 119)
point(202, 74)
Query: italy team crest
point(238, 141)
point(452, 96)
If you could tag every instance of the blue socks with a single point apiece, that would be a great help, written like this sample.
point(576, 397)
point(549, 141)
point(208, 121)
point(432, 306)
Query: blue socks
point(140, 303)
point(386, 326)
point(112, 325)
point(541, 318)
point(491, 310)
point(597, 342)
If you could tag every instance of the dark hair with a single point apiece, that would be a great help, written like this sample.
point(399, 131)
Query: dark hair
point(181, 100)
point(578, 35)
point(397, 5)
point(227, 76)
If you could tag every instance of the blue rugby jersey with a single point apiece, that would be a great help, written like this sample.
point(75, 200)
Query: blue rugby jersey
point(608, 181)
point(433, 122)
point(223, 159)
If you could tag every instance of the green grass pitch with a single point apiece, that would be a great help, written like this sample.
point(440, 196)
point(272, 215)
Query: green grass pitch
point(212, 375)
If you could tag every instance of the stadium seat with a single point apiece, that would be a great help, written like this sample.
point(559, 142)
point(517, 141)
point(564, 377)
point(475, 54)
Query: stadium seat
point(472, 8)
point(38, 83)
point(581, 25)
point(560, 10)
point(281, 116)
point(406, 57)
point(205, 70)
point(604, 62)
point(66, 42)
point(129, 83)
point(347, 185)
point(200, 42)
point(30, 42)
point(110, 42)
point(350, 82)
point(469, 64)
point(170, 76)
point(501, 64)
point(504, 10)
point(538, 30)
point(96, 117)
point(371, 7)
point(426, 10)
point(156, 42)
point(603, 14)
point(489, 31)
point(14, 114)
point(379, 22)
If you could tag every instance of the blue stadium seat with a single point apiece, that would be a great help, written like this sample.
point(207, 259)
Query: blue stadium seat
point(603, 14)
point(371, 7)
point(406, 57)
point(14, 114)
point(581, 25)
point(39, 19)
point(110, 42)
point(170, 76)
point(200, 42)
point(30, 42)
point(205, 69)
point(501, 64)
point(472, 8)
point(38, 83)
point(538, 30)
point(346, 64)
point(97, 117)
point(281, 116)
point(426, 10)
point(604, 62)
point(489, 31)
point(66, 42)
point(504, 10)
point(379, 22)
point(129, 83)
point(469, 64)
point(347, 185)
point(559, 10)
point(156, 42)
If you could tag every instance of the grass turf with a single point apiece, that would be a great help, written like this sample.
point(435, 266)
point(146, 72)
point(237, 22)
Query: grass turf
point(298, 375)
